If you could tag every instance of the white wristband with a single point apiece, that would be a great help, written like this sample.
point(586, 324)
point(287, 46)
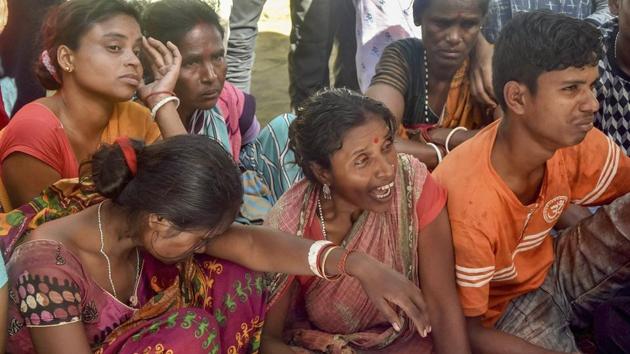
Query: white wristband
point(450, 135)
point(161, 104)
point(437, 151)
point(313, 252)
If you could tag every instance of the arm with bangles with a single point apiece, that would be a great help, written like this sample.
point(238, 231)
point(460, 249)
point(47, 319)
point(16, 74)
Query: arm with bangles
point(166, 61)
point(429, 149)
point(266, 250)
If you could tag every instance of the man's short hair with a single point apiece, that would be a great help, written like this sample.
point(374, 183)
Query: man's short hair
point(536, 42)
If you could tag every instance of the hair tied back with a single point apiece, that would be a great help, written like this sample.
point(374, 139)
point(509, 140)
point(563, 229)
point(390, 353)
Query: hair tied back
point(129, 153)
point(45, 58)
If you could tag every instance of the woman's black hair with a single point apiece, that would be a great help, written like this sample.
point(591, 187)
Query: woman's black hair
point(324, 119)
point(419, 6)
point(67, 23)
point(171, 20)
point(189, 180)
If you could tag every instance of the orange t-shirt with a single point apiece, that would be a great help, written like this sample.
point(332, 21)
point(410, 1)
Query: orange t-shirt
point(502, 247)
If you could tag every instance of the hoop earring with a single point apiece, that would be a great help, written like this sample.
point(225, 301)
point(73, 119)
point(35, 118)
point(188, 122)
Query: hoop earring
point(326, 191)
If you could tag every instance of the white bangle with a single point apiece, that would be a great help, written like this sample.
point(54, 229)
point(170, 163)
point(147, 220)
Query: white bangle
point(313, 254)
point(450, 135)
point(161, 104)
point(437, 151)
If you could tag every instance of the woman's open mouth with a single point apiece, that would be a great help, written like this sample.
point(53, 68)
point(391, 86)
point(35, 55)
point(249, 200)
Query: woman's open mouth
point(383, 192)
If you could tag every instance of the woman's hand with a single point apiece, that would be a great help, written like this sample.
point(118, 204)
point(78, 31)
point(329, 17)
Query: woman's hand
point(386, 287)
point(481, 72)
point(165, 63)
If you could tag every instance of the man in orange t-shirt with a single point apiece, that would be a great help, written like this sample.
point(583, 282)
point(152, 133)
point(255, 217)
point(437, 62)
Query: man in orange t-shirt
point(520, 288)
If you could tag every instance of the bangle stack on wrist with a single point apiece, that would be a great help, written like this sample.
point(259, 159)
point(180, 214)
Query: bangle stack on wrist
point(317, 256)
point(156, 107)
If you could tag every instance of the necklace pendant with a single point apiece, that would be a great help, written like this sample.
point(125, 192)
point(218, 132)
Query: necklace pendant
point(133, 300)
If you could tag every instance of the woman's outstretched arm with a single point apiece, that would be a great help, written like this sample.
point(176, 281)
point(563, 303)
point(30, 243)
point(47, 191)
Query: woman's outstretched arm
point(268, 250)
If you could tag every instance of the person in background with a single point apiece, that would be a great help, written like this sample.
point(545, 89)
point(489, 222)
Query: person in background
point(378, 25)
point(425, 82)
point(91, 58)
point(242, 42)
point(19, 51)
point(209, 105)
point(316, 25)
point(613, 86)
point(501, 12)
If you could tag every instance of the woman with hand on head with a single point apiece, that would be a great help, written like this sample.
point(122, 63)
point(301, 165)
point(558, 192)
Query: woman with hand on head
point(91, 57)
point(210, 105)
point(425, 82)
point(153, 265)
point(360, 194)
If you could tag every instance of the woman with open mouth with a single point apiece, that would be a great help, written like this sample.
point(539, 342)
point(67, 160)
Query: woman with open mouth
point(361, 195)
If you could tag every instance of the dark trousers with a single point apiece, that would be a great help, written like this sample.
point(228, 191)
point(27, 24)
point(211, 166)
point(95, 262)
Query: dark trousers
point(612, 325)
point(591, 268)
point(317, 25)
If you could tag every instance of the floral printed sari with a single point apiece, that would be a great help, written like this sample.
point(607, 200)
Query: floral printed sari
point(201, 305)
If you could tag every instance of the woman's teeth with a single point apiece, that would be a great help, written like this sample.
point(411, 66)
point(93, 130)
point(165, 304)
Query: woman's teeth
point(383, 192)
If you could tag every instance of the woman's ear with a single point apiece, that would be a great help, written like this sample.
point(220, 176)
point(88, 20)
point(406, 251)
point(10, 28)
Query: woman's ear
point(65, 58)
point(158, 223)
point(322, 174)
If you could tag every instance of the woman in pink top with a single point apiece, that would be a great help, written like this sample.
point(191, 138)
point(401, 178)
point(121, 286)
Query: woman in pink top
point(91, 57)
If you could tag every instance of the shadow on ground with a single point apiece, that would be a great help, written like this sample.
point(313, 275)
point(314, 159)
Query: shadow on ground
point(270, 77)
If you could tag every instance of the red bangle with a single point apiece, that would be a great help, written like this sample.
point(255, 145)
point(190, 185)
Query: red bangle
point(328, 251)
point(424, 131)
point(341, 266)
point(158, 93)
point(320, 266)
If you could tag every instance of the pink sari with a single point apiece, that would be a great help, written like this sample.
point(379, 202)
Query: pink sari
point(200, 305)
point(338, 317)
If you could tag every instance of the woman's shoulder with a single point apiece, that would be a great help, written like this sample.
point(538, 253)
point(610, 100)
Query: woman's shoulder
point(37, 253)
point(35, 114)
point(47, 283)
point(34, 130)
point(285, 213)
point(406, 46)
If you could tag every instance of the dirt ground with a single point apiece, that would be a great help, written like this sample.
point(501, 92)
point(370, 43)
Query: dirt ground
point(270, 77)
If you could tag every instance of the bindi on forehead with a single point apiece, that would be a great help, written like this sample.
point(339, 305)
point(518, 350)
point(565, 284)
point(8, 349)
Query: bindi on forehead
point(376, 140)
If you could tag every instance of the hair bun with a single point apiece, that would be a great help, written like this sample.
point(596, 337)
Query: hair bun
point(110, 171)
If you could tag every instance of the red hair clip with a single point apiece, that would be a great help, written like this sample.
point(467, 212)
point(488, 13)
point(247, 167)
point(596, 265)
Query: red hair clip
point(129, 153)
